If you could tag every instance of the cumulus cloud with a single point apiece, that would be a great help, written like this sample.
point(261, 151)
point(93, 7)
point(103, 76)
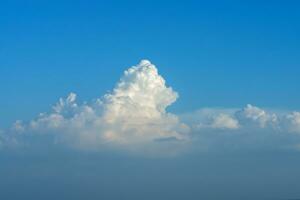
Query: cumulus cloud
point(249, 117)
point(133, 116)
point(224, 121)
point(252, 115)
point(136, 109)
point(247, 128)
point(213, 118)
point(293, 121)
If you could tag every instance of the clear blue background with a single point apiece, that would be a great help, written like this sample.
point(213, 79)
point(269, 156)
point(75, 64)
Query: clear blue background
point(214, 54)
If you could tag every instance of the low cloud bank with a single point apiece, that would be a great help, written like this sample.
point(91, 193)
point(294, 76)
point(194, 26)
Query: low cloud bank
point(133, 116)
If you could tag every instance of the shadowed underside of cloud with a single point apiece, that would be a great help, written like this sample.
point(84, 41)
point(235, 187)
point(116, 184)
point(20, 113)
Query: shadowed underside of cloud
point(133, 117)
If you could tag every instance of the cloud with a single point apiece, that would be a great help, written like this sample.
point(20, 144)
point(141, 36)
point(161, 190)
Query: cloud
point(255, 116)
point(249, 117)
point(136, 109)
point(133, 114)
point(293, 122)
point(133, 117)
point(249, 128)
point(224, 121)
point(210, 118)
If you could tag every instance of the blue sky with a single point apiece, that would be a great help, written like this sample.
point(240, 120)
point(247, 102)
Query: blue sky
point(214, 54)
point(232, 133)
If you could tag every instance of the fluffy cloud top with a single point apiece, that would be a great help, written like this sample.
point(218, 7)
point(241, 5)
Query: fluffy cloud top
point(255, 116)
point(136, 109)
point(134, 116)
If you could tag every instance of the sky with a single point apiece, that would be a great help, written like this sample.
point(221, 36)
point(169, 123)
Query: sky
point(149, 99)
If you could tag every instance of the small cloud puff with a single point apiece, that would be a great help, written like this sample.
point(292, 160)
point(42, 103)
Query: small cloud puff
point(252, 115)
point(293, 121)
point(225, 121)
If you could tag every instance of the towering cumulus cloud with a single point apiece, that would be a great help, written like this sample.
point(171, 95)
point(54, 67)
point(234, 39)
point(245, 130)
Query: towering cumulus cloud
point(133, 114)
point(136, 109)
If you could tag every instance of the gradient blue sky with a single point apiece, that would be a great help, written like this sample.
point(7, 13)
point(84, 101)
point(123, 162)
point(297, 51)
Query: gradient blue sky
point(214, 54)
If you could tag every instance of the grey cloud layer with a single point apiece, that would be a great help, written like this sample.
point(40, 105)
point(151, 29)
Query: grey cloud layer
point(133, 116)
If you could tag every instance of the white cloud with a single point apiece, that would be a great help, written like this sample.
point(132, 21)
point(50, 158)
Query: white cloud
point(136, 109)
point(134, 113)
point(224, 121)
point(249, 117)
point(212, 118)
point(293, 121)
point(252, 115)
point(133, 116)
point(247, 128)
